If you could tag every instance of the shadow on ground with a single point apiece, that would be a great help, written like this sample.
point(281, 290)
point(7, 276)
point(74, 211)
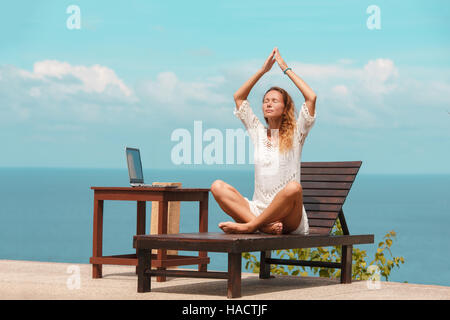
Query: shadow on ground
point(250, 286)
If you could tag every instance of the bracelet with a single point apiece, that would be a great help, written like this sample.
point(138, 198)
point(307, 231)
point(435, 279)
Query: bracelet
point(286, 70)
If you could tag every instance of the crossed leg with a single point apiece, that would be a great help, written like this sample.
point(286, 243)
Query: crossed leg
point(234, 204)
point(285, 211)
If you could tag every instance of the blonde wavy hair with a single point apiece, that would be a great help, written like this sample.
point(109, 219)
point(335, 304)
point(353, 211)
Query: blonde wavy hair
point(288, 122)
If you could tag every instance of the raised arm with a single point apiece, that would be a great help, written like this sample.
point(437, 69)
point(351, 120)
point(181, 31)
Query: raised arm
point(308, 93)
point(242, 93)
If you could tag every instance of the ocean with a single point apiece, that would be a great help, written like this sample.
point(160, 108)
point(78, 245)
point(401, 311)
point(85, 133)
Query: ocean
point(46, 214)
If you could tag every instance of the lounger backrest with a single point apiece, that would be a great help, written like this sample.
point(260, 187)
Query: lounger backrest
point(325, 187)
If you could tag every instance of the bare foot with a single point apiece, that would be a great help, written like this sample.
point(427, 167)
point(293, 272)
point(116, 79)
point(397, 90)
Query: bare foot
point(234, 227)
point(272, 228)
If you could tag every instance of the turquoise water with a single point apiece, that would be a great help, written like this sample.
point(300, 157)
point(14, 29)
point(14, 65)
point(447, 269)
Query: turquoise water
point(46, 215)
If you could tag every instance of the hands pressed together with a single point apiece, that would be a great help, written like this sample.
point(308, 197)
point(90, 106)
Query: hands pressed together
point(274, 56)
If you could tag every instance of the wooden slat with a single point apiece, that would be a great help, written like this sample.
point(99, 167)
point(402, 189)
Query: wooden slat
point(325, 192)
point(321, 215)
point(328, 223)
point(322, 207)
point(124, 261)
point(325, 200)
point(307, 170)
point(319, 230)
point(131, 260)
point(336, 164)
point(326, 177)
point(326, 185)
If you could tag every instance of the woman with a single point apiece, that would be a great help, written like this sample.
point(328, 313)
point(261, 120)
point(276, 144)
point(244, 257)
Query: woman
point(277, 205)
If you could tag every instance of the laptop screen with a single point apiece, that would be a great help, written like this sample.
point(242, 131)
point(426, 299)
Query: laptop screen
point(134, 165)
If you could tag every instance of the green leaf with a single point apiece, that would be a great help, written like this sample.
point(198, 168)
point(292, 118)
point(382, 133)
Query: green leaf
point(323, 272)
point(389, 242)
point(332, 253)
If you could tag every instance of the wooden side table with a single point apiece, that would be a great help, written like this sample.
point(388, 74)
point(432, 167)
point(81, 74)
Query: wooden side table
point(161, 259)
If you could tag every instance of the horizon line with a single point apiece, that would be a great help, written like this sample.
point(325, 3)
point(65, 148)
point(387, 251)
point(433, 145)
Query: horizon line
point(205, 168)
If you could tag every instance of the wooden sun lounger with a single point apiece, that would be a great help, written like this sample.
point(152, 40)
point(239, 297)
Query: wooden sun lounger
point(325, 188)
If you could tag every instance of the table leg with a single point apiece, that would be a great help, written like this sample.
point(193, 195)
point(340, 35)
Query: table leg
point(203, 227)
point(140, 221)
point(140, 225)
point(98, 237)
point(234, 275)
point(144, 264)
point(162, 229)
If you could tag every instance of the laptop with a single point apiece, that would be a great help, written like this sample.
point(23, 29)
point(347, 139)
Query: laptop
point(135, 170)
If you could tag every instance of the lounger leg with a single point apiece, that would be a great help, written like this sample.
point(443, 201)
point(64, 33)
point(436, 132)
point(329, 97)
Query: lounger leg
point(234, 275)
point(264, 268)
point(346, 264)
point(98, 237)
point(144, 263)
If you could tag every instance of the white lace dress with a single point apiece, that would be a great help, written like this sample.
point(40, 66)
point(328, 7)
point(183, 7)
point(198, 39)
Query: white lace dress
point(272, 169)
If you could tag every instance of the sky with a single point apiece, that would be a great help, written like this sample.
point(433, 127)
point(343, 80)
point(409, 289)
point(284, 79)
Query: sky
point(75, 89)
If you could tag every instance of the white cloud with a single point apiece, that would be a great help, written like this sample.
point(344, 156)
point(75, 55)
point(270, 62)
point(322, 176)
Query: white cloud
point(185, 100)
point(169, 89)
point(375, 94)
point(163, 89)
point(340, 90)
point(59, 91)
point(348, 94)
point(96, 78)
point(378, 76)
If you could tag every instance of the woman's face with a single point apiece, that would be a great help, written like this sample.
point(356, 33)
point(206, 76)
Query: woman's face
point(273, 105)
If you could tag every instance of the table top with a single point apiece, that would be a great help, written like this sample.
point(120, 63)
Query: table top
point(152, 189)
